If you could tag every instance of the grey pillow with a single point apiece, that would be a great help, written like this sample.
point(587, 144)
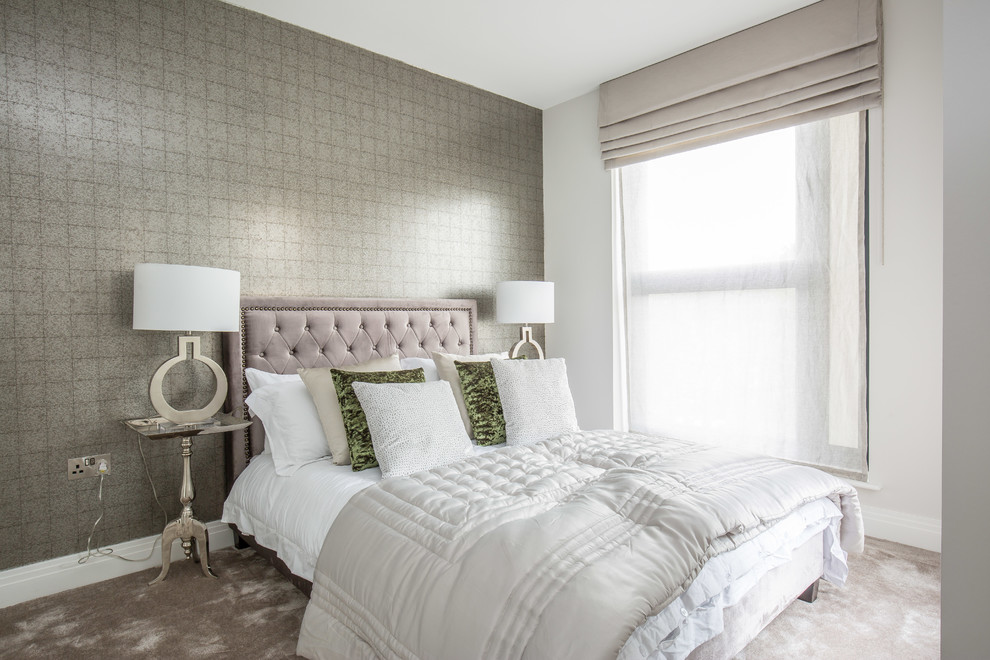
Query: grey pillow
point(320, 385)
point(536, 399)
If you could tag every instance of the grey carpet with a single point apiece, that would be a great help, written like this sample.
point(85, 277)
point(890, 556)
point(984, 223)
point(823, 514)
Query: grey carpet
point(251, 612)
point(888, 609)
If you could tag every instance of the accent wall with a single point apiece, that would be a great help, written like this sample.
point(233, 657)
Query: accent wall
point(196, 132)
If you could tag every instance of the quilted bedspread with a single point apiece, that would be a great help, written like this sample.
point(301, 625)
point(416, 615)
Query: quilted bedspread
point(558, 549)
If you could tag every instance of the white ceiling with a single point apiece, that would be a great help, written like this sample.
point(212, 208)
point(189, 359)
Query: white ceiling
point(540, 52)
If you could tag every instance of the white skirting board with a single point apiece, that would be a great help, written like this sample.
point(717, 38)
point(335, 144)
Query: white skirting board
point(917, 531)
point(53, 575)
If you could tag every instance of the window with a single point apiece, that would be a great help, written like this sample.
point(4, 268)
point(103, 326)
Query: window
point(743, 276)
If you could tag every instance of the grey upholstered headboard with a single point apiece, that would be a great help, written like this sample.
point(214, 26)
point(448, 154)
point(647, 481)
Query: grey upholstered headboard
point(281, 334)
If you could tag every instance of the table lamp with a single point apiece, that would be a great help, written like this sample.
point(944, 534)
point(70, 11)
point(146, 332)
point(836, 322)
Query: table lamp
point(186, 299)
point(525, 303)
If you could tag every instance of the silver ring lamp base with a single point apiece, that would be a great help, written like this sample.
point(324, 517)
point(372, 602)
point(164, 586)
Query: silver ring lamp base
point(525, 337)
point(187, 416)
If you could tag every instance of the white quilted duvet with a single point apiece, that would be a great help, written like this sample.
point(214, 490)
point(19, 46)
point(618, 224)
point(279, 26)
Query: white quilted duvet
point(555, 550)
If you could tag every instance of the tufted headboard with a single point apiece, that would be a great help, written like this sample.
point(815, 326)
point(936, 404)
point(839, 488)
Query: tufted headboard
point(281, 334)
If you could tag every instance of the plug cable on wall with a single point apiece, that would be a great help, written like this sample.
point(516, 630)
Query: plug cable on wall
point(108, 552)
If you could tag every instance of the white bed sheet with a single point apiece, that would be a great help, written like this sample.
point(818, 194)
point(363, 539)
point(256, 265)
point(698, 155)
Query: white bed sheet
point(292, 515)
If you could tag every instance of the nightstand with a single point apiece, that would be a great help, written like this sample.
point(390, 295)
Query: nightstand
point(192, 532)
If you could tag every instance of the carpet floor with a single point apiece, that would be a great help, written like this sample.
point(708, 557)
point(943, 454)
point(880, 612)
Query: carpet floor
point(888, 609)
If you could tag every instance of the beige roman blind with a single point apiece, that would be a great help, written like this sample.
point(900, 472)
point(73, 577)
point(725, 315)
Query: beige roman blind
point(819, 61)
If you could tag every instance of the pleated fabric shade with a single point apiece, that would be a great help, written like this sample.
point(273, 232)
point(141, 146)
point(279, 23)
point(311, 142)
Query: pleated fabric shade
point(820, 61)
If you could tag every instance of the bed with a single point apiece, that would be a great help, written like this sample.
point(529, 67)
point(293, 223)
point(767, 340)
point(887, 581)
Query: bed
point(733, 591)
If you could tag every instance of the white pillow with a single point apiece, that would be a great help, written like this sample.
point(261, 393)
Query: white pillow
point(448, 372)
point(414, 426)
point(293, 432)
point(319, 382)
point(428, 366)
point(536, 399)
point(257, 378)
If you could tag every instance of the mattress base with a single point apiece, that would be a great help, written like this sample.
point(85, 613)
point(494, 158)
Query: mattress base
point(775, 591)
point(299, 583)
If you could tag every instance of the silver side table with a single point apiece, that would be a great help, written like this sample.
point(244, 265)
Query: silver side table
point(192, 532)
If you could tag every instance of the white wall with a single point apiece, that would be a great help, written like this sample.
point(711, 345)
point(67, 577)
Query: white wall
point(906, 289)
point(966, 393)
point(577, 239)
point(905, 292)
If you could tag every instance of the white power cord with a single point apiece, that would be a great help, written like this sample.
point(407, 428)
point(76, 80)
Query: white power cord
point(97, 551)
point(105, 552)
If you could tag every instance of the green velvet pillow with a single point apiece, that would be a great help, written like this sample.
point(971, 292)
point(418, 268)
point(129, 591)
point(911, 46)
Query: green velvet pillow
point(355, 423)
point(484, 407)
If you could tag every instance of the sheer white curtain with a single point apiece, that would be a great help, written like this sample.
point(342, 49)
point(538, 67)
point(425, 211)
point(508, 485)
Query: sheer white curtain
point(741, 282)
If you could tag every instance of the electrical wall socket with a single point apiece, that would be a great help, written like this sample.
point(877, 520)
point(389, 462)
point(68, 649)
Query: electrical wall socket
point(88, 466)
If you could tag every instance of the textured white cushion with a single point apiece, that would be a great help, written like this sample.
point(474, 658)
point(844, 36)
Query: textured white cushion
point(414, 426)
point(293, 432)
point(448, 372)
point(257, 378)
point(536, 399)
point(320, 384)
point(428, 366)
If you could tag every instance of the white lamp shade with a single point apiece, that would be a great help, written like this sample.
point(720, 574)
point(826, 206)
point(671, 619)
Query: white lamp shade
point(524, 302)
point(186, 298)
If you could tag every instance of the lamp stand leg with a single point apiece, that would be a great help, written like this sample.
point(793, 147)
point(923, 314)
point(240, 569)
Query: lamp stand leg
point(526, 337)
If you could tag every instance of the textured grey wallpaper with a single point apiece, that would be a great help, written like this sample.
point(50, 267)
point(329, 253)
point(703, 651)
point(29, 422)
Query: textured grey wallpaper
point(200, 133)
